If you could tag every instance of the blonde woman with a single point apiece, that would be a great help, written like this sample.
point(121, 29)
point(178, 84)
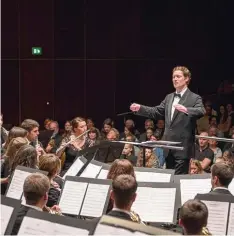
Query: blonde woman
point(151, 160)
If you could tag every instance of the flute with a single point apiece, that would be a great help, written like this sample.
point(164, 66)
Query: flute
point(66, 144)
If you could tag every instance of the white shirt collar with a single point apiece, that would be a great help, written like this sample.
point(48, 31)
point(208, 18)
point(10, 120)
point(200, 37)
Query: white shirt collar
point(31, 206)
point(220, 188)
point(183, 91)
point(117, 209)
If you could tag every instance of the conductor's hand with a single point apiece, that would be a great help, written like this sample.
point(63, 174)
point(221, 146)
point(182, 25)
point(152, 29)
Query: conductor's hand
point(181, 108)
point(135, 107)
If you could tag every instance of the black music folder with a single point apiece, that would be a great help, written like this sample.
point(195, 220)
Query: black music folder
point(85, 197)
point(15, 186)
point(157, 202)
point(191, 185)
point(105, 152)
point(221, 213)
point(76, 167)
point(45, 136)
point(155, 175)
point(9, 209)
point(114, 226)
point(37, 222)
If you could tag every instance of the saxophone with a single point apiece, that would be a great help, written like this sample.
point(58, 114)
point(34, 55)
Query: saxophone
point(53, 212)
point(135, 217)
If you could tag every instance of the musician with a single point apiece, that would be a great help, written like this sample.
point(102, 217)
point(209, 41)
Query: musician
point(123, 195)
point(221, 176)
point(71, 150)
point(32, 127)
point(51, 164)
point(14, 133)
point(25, 156)
point(4, 132)
point(180, 109)
point(67, 129)
point(35, 189)
point(193, 218)
point(55, 139)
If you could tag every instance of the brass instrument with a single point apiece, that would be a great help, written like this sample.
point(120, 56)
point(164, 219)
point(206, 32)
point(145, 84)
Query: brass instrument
point(135, 217)
point(205, 231)
point(53, 212)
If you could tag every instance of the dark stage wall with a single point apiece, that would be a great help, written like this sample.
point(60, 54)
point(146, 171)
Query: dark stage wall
point(101, 55)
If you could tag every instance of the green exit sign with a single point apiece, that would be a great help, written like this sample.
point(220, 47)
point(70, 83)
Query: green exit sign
point(36, 51)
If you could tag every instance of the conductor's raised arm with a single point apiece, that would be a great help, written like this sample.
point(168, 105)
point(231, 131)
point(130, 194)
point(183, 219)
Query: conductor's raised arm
point(151, 112)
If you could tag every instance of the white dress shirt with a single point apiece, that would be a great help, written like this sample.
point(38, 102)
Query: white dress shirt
point(176, 101)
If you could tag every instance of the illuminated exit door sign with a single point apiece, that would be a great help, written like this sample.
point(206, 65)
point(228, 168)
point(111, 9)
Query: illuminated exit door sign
point(36, 51)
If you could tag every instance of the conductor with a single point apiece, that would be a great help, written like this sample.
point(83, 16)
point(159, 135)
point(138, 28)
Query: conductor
point(180, 109)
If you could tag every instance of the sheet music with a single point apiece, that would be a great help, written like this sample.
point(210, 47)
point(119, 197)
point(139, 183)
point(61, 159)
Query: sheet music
point(68, 230)
point(91, 171)
point(74, 169)
point(231, 187)
point(72, 197)
point(155, 204)
point(95, 200)
point(152, 177)
point(111, 230)
point(217, 220)
point(6, 212)
point(191, 187)
point(103, 174)
point(32, 226)
point(231, 220)
point(16, 186)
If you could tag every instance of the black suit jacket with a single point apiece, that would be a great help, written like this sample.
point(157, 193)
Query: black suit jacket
point(220, 192)
point(182, 126)
point(20, 215)
point(120, 214)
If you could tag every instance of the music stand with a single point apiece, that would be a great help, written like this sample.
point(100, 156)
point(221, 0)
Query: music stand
point(105, 152)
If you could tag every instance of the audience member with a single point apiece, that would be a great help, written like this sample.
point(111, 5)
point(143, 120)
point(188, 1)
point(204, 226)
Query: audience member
point(151, 160)
point(128, 153)
point(203, 153)
point(195, 167)
point(148, 124)
point(217, 151)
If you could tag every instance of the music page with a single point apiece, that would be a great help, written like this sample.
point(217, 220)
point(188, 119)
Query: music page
point(32, 226)
point(72, 197)
point(74, 169)
point(218, 214)
point(91, 171)
point(231, 187)
point(231, 220)
point(152, 177)
point(16, 185)
point(6, 212)
point(69, 230)
point(191, 187)
point(155, 204)
point(111, 230)
point(103, 174)
point(95, 200)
